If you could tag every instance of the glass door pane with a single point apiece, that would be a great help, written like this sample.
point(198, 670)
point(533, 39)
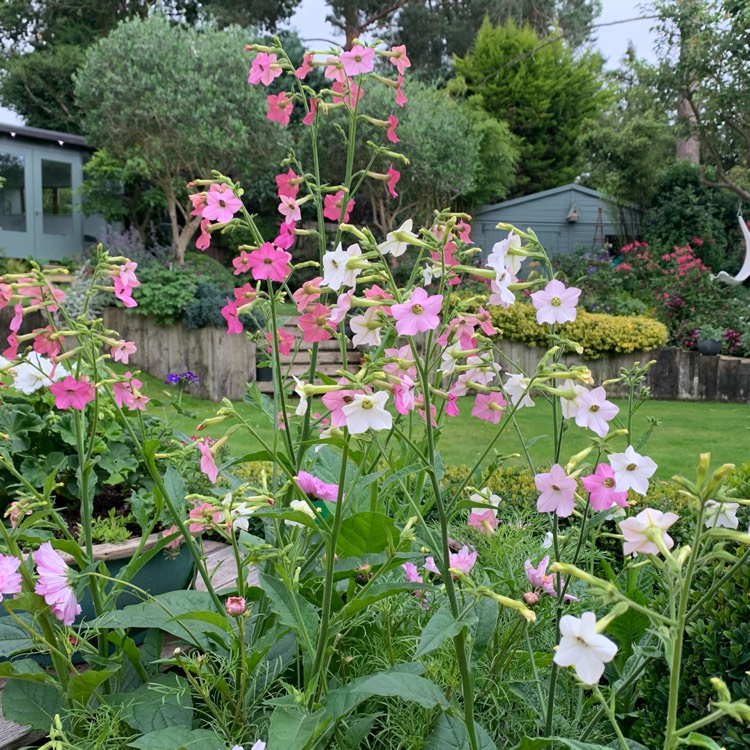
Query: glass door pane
point(13, 216)
point(57, 198)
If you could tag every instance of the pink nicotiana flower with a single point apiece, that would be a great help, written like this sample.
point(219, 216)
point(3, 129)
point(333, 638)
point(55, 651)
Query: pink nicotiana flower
point(336, 401)
point(124, 293)
point(198, 201)
point(54, 584)
point(204, 240)
point(640, 531)
point(342, 307)
point(400, 96)
point(241, 263)
point(583, 648)
point(269, 263)
point(10, 579)
point(404, 396)
point(451, 406)
point(540, 579)
point(306, 68)
point(245, 294)
point(12, 351)
point(221, 204)
point(280, 108)
point(484, 319)
point(557, 492)
point(127, 274)
point(122, 350)
point(44, 343)
point(484, 520)
point(462, 561)
point(421, 313)
point(347, 92)
point(334, 70)
point(411, 573)
point(125, 390)
point(289, 209)
point(235, 606)
point(358, 60)
point(264, 69)
point(489, 406)
point(285, 342)
point(399, 59)
point(601, 488)
point(308, 292)
point(632, 471)
point(316, 488)
point(202, 517)
point(6, 295)
point(208, 465)
point(70, 393)
point(315, 324)
point(393, 177)
point(288, 184)
point(334, 204)
point(391, 132)
point(285, 238)
point(309, 118)
point(556, 303)
point(230, 312)
point(594, 411)
point(367, 411)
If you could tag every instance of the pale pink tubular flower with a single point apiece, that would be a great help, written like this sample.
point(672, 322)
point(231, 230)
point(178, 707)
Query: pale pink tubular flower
point(358, 60)
point(221, 204)
point(391, 132)
point(12, 351)
point(308, 292)
point(637, 531)
point(411, 573)
point(316, 488)
point(484, 319)
point(540, 579)
point(601, 488)
point(198, 201)
point(556, 303)
point(245, 294)
point(235, 606)
point(203, 516)
point(285, 341)
point(280, 108)
point(451, 406)
point(462, 561)
point(399, 59)
point(208, 465)
point(241, 263)
point(403, 395)
point(124, 293)
point(333, 205)
point(288, 184)
point(489, 406)
point(583, 648)
point(44, 343)
point(174, 543)
point(6, 294)
point(594, 411)
point(632, 471)
point(70, 393)
point(421, 313)
point(10, 579)
point(286, 237)
point(400, 96)
point(393, 177)
point(306, 68)
point(557, 492)
point(315, 324)
point(309, 118)
point(204, 240)
point(127, 274)
point(264, 69)
point(17, 319)
point(269, 263)
point(289, 209)
point(124, 391)
point(122, 350)
point(230, 313)
point(54, 584)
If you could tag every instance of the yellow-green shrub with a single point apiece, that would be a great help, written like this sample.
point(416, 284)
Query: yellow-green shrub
point(597, 333)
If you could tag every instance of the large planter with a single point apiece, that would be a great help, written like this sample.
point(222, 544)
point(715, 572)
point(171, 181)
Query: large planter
point(709, 347)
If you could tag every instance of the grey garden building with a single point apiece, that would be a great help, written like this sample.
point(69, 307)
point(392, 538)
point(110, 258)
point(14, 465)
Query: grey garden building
point(564, 218)
point(41, 171)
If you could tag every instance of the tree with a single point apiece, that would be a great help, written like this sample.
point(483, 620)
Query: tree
point(704, 48)
point(542, 90)
point(176, 98)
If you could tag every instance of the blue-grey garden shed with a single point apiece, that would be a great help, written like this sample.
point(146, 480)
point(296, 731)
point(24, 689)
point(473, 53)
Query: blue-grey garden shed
point(564, 218)
point(42, 171)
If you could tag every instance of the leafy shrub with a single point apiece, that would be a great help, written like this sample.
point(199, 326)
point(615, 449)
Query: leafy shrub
point(599, 334)
point(164, 293)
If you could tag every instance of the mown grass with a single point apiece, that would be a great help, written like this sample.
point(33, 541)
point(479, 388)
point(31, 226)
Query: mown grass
point(685, 430)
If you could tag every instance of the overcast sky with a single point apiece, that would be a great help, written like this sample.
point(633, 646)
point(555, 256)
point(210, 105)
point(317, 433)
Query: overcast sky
point(612, 40)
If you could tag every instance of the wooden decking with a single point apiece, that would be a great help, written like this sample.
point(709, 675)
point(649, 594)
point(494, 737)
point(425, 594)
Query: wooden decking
point(223, 571)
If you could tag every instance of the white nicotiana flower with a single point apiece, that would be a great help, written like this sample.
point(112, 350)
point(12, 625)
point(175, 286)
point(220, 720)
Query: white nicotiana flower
point(516, 386)
point(431, 272)
point(367, 411)
point(501, 294)
point(583, 648)
point(236, 515)
point(366, 328)
point(450, 358)
point(721, 514)
point(569, 406)
point(548, 540)
point(3, 362)
point(500, 259)
point(302, 507)
point(334, 268)
point(299, 389)
point(393, 246)
point(36, 372)
point(487, 498)
point(632, 471)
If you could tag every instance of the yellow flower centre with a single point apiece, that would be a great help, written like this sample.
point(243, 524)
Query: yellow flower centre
point(594, 407)
point(555, 302)
point(417, 309)
point(367, 403)
point(320, 320)
point(609, 483)
point(631, 467)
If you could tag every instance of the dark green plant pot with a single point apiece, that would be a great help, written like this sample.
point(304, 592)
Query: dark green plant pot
point(709, 347)
point(263, 374)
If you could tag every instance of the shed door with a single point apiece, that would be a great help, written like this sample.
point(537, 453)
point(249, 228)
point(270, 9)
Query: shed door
point(16, 212)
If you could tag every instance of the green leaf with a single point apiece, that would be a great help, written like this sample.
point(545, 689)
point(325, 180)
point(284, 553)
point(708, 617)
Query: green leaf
point(449, 733)
point(179, 738)
point(165, 702)
point(401, 682)
point(486, 611)
point(118, 461)
point(695, 739)
point(536, 743)
point(293, 610)
point(290, 729)
point(32, 703)
point(439, 629)
point(254, 396)
point(14, 638)
point(376, 593)
point(366, 533)
point(175, 486)
point(83, 684)
point(18, 422)
point(628, 629)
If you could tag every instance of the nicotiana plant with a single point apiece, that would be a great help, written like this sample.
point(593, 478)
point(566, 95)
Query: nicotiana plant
point(353, 514)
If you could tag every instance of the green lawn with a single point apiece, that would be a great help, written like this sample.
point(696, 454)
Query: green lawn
point(686, 429)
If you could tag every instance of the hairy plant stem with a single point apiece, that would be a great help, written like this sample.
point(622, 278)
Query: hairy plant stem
point(612, 718)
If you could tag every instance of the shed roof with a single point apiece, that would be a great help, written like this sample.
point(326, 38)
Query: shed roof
point(39, 134)
point(571, 187)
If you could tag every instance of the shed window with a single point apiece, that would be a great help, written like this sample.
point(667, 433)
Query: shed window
point(57, 197)
point(12, 192)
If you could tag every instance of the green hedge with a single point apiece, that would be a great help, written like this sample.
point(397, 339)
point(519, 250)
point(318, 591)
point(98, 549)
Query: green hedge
point(598, 334)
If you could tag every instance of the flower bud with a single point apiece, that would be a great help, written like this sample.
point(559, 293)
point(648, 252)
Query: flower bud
point(235, 606)
point(531, 598)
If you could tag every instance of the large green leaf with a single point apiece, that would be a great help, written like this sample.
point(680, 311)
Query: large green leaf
point(293, 610)
point(439, 629)
point(291, 729)
point(164, 702)
point(83, 684)
point(449, 733)
point(13, 638)
point(486, 611)
point(179, 738)
point(401, 682)
point(32, 703)
point(376, 593)
point(18, 422)
point(366, 533)
point(695, 739)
